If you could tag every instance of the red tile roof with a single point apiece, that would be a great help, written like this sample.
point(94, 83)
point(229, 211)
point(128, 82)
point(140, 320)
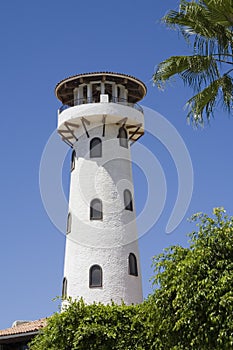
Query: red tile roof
point(27, 327)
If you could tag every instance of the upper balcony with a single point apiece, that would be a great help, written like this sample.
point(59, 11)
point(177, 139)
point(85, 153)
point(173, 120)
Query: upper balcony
point(112, 99)
point(92, 87)
point(100, 98)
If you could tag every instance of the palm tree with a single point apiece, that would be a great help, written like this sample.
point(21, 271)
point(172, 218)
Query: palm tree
point(207, 26)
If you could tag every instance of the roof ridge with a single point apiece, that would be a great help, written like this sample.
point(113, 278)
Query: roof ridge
point(31, 326)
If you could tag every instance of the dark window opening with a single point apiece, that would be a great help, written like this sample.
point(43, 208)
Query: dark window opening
point(123, 137)
point(96, 211)
point(84, 94)
point(119, 94)
point(108, 90)
point(95, 276)
point(128, 200)
point(64, 288)
point(133, 269)
point(96, 93)
point(95, 148)
point(73, 156)
point(68, 226)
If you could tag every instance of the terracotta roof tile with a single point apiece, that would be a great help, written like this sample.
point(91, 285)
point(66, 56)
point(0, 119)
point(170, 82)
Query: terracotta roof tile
point(31, 326)
point(101, 73)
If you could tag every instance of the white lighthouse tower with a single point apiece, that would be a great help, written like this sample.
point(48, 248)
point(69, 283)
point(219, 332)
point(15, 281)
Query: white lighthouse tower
point(100, 120)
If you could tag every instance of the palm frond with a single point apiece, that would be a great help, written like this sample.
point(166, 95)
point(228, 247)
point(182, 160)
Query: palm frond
point(206, 25)
point(194, 70)
point(220, 11)
point(204, 103)
point(227, 93)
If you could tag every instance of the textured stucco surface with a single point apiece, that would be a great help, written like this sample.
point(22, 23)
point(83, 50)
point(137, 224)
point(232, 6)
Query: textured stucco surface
point(107, 242)
point(94, 112)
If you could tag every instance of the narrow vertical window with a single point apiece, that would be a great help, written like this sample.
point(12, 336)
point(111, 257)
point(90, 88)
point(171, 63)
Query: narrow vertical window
point(68, 225)
point(133, 269)
point(95, 276)
point(73, 156)
point(96, 210)
point(123, 137)
point(64, 288)
point(95, 148)
point(128, 200)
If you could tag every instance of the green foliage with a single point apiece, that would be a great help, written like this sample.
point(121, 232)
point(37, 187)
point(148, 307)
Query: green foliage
point(194, 301)
point(207, 26)
point(95, 326)
point(190, 309)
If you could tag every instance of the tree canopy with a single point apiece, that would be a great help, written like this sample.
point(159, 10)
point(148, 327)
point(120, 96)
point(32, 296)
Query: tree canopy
point(206, 25)
point(194, 298)
point(191, 307)
point(94, 326)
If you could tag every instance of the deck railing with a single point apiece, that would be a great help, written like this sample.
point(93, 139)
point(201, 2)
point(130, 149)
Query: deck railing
point(113, 99)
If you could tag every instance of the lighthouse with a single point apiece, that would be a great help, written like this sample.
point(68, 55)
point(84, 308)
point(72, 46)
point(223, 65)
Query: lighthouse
point(100, 119)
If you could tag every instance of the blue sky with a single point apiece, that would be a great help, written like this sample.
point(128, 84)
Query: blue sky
point(42, 43)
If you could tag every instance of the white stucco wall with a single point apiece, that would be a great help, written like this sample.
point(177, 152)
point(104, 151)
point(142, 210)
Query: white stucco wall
point(107, 242)
point(94, 112)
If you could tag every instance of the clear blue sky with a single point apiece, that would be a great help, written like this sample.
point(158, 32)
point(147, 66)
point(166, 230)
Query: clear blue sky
point(42, 43)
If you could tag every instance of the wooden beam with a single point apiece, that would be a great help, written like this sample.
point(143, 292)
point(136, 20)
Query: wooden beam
point(72, 124)
point(71, 130)
point(63, 131)
point(86, 121)
point(139, 132)
point(135, 140)
point(68, 137)
point(130, 126)
point(122, 121)
point(67, 142)
point(83, 120)
point(104, 120)
point(133, 126)
point(134, 133)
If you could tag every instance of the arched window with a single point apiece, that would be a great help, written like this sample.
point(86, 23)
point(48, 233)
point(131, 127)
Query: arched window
point(95, 148)
point(123, 137)
point(64, 288)
point(73, 156)
point(95, 276)
point(96, 211)
point(133, 269)
point(68, 225)
point(128, 200)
